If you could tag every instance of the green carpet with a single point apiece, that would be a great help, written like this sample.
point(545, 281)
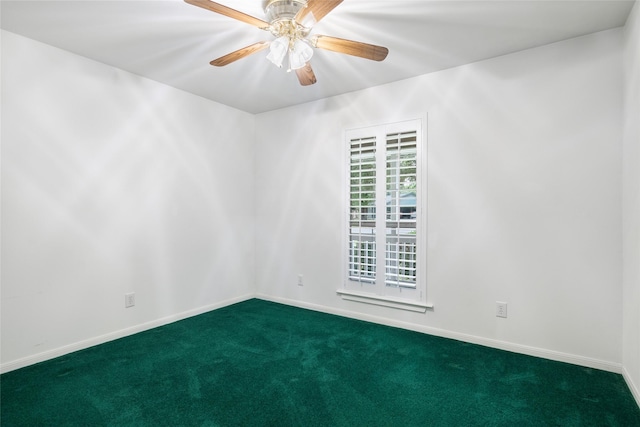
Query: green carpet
point(260, 363)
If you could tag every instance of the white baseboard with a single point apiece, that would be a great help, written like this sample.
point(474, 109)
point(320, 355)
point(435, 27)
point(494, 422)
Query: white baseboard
point(81, 345)
point(635, 391)
point(502, 345)
point(487, 342)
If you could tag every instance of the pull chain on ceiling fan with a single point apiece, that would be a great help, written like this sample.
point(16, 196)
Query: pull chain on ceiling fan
point(290, 22)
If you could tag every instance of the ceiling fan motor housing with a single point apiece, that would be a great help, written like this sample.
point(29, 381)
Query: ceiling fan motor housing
point(276, 10)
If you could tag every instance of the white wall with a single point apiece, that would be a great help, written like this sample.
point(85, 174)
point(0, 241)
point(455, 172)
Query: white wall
point(524, 199)
point(112, 183)
point(631, 203)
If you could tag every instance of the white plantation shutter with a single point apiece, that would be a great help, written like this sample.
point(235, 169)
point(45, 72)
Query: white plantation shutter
point(362, 206)
point(384, 199)
point(401, 203)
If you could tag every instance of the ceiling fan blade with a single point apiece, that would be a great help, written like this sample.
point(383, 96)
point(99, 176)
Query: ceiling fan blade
point(314, 11)
point(363, 50)
point(239, 54)
point(231, 13)
point(306, 75)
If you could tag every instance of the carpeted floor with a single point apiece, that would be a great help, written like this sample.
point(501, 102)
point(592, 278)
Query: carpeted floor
point(258, 363)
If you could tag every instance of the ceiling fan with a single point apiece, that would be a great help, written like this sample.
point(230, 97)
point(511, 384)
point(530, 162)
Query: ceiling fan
point(290, 22)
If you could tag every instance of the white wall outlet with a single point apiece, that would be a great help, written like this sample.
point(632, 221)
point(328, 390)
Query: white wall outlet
point(501, 309)
point(129, 300)
point(300, 283)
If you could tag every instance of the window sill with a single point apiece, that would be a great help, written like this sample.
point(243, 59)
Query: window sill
point(391, 302)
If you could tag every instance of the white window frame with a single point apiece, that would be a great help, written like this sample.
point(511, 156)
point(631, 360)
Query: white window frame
point(377, 292)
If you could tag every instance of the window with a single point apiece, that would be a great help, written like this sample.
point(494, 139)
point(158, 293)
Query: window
point(385, 225)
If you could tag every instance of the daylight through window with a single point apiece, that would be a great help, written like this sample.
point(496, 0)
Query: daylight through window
point(384, 218)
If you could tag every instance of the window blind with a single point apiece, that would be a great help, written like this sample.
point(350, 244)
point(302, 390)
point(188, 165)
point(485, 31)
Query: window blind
point(362, 205)
point(385, 195)
point(401, 206)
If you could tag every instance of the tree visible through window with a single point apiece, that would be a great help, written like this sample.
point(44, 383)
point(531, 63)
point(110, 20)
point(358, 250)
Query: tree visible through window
point(384, 178)
point(401, 177)
point(362, 251)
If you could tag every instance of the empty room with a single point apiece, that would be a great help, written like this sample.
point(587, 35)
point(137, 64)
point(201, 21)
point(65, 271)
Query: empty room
point(320, 212)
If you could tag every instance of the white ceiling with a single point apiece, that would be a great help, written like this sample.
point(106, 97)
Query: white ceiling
point(172, 42)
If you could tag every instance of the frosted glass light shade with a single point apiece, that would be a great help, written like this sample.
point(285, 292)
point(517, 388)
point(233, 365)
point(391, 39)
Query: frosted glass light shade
point(278, 50)
point(300, 54)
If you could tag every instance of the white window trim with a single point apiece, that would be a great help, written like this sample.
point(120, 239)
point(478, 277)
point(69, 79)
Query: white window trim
point(385, 301)
point(394, 298)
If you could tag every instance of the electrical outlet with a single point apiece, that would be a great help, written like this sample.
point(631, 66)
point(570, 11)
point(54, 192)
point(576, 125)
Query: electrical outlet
point(501, 309)
point(129, 300)
point(300, 280)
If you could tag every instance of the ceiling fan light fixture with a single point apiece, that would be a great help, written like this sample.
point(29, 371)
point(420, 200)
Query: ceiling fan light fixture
point(278, 50)
point(290, 22)
point(300, 54)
